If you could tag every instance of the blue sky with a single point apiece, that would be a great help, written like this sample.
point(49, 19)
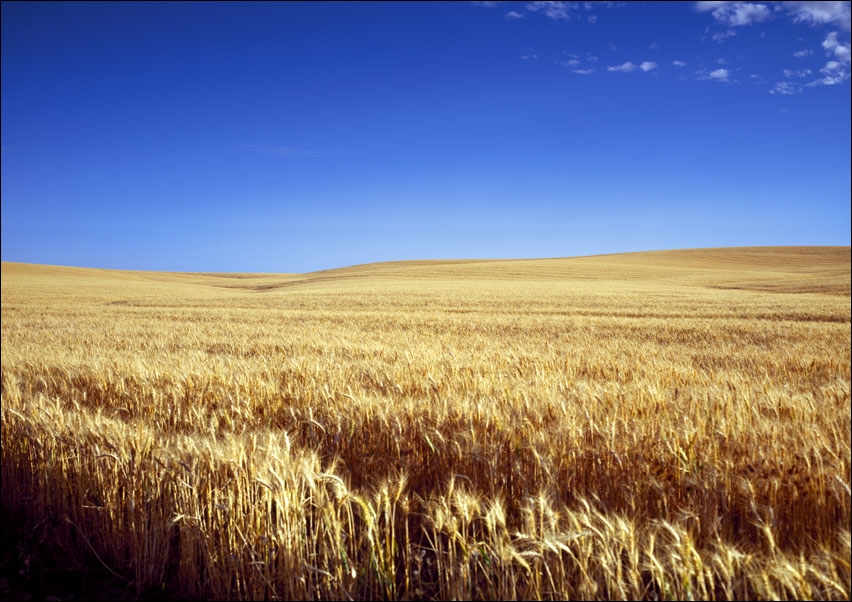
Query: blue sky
point(303, 136)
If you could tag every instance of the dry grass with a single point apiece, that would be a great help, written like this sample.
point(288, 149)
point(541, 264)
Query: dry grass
point(657, 425)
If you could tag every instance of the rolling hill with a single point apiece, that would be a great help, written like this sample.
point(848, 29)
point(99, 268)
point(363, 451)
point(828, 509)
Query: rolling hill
point(821, 270)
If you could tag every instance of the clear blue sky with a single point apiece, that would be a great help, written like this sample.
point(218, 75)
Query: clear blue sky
point(302, 136)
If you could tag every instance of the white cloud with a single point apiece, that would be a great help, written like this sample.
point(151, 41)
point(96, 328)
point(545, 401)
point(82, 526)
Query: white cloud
point(629, 67)
point(485, 4)
point(654, 46)
point(830, 41)
point(514, 15)
point(583, 71)
point(719, 75)
point(624, 68)
point(529, 56)
point(678, 63)
point(571, 63)
point(842, 52)
point(563, 11)
point(721, 36)
point(836, 69)
point(832, 46)
point(735, 14)
point(558, 11)
point(788, 73)
point(834, 72)
point(831, 78)
point(785, 88)
point(820, 13)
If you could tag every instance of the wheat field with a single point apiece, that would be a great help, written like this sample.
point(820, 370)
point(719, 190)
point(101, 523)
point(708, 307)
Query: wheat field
point(660, 425)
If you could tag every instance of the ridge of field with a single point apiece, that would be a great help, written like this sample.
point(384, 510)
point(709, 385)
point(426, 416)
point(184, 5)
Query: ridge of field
point(84, 275)
point(779, 269)
point(774, 269)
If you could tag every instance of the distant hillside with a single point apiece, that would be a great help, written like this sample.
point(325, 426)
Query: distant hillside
point(824, 270)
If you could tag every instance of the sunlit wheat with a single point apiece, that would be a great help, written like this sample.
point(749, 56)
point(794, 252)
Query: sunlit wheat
point(664, 425)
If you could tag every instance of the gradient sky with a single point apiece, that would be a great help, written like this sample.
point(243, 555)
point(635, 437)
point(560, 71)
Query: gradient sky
point(301, 136)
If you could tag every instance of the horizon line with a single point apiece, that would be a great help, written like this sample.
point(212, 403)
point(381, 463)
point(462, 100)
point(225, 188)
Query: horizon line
point(445, 260)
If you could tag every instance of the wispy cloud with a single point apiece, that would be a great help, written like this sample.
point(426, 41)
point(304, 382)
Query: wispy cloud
point(485, 4)
point(836, 70)
point(785, 88)
point(735, 14)
point(558, 11)
point(623, 68)
point(279, 151)
point(834, 73)
point(678, 64)
point(719, 75)
point(800, 73)
point(832, 46)
point(820, 13)
point(721, 36)
point(574, 63)
point(629, 67)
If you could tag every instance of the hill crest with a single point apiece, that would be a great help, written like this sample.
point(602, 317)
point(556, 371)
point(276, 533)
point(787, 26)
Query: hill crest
point(774, 269)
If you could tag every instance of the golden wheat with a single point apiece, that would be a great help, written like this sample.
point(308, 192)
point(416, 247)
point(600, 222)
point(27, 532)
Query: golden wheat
point(658, 425)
